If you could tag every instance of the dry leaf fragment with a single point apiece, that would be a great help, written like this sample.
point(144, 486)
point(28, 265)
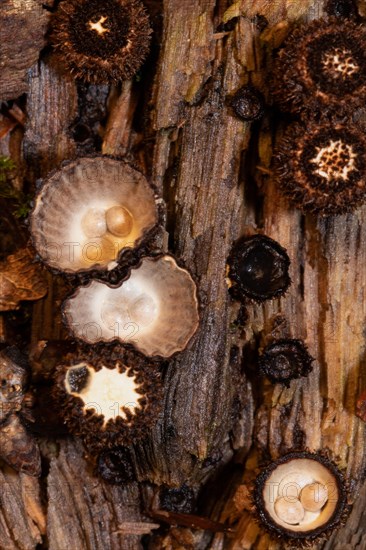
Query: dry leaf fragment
point(20, 279)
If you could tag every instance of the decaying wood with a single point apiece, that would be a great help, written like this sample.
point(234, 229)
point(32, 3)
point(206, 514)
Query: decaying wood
point(214, 173)
point(23, 25)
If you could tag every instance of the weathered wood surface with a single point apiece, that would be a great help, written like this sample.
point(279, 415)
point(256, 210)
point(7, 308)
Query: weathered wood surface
point(214, 174)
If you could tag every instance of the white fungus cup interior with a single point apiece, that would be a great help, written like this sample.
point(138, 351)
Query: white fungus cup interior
point(107, 391)
point(89, 211)
point(155, 309)
point(284, 488)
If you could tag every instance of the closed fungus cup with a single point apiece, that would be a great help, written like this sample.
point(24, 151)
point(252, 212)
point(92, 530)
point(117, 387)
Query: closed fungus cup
point(155, 308)
point(321, 167)
point(322, 67)
point(258, 269)
point(107, 395)
point(285, 360)
point(90, 212)
point(101, 41)
point(300, 496)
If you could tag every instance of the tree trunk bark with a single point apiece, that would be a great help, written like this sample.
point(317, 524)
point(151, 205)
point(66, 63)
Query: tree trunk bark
point(214, 173)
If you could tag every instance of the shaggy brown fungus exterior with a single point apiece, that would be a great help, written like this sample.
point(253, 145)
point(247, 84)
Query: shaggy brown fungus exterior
point(90, 212)
point(102, 41)
point(258, 269)
point(300, 496)
point(321, 167)
point(155, 308)
point(285, 360)
point(322, 67)
point(108, 395)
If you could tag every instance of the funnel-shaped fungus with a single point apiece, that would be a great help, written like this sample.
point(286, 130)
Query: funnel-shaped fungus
point(108, 395)
point(300, 496)
point(321, 167)
point(89, 212)
point(258, 269)
point(102, 41)
point(322, 66)
point(155, 308)
point(285, 360)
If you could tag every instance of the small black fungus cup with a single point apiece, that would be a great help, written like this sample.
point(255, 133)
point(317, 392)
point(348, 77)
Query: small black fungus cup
point(258, 269)
point(285, 360)
point(248, 104)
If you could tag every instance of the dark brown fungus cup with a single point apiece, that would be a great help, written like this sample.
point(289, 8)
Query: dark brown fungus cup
point(285, 360)
point(258, 269)
point(90, 212)
point(108, 395)
point(300, 496)
point(101, 41)
point(155, 308)
point(321, 167)
point(248, 103)
point(322, 67)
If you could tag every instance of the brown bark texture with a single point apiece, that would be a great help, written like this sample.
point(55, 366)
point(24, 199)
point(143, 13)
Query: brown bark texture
point(219, 419)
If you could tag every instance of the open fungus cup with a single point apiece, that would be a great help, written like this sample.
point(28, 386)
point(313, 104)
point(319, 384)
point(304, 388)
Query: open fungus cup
point(154, 309)
point(101, 41)
point(322, 68)
point(320, 167)
point(90, 212)
point(300, 496)
point(108, 395)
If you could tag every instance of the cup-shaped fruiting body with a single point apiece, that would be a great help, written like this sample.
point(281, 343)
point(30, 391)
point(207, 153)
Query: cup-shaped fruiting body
point(258, 269)
point(108, 395)
point(321, 167)
point(322, 66)
point(300, 496)
point(90, 212)
point(285, 360)
point(248, 103)
point(102, 41)
point(155, 308)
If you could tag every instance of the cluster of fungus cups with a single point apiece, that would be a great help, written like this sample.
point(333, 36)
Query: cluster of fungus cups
point(86, 217)
point(300, 496)
point(320, 75)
